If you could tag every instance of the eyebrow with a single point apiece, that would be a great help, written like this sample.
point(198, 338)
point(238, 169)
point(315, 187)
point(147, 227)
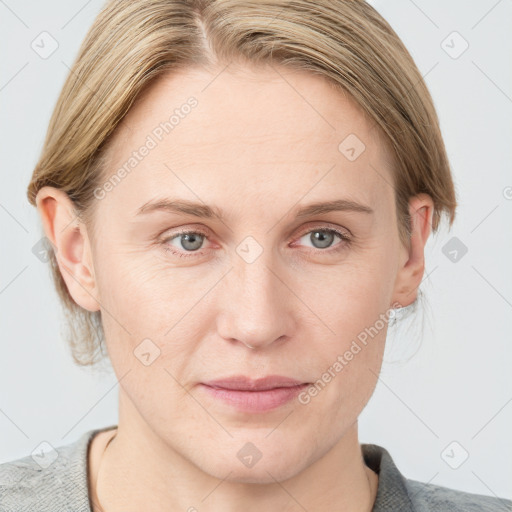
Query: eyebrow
point(202, 210)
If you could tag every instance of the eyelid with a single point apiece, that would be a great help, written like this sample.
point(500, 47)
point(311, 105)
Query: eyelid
point(344, 243)
point(343, 233)
point(325, 226)
point(309, 227)
point(174, 232)
point(182, 231)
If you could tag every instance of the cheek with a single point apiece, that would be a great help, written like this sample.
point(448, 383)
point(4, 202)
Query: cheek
point(146, 297)
point(347, 297)
point(348, 324)
point(154, 313)
point(144, 291)
point(347, 363)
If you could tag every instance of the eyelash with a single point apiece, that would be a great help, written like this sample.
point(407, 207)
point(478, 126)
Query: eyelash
point(346, 240)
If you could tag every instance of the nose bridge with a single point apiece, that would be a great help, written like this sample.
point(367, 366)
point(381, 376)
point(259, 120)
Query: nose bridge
point(257, 302)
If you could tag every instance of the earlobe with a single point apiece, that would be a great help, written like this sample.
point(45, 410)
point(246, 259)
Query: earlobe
point(68, 236)
point(411, 270)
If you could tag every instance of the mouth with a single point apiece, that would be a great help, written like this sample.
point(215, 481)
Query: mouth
point(243, 383)
point(256, 396)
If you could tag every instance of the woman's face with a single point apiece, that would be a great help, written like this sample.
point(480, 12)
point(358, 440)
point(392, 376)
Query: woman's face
point(255, 146)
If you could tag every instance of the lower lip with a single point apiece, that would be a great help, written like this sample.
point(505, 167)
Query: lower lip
point(255, 401)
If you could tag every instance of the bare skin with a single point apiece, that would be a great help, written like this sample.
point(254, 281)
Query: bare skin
point(96, 450)
point(257, 147)
point(97, 461)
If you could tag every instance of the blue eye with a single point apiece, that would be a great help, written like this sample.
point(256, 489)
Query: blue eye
point(188, 243)
point(324, 237)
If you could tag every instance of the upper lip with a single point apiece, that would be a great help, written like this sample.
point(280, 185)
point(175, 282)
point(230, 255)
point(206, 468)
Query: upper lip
point(243, 383)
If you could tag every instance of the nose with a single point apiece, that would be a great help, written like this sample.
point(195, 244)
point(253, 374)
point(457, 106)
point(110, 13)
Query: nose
point(256, 307)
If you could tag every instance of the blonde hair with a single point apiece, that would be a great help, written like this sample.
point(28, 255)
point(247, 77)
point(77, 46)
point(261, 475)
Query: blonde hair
point(132, 42)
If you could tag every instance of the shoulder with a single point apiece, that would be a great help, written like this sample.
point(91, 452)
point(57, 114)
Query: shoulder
point(396, 492)
point(48, 479)
point(429, 497)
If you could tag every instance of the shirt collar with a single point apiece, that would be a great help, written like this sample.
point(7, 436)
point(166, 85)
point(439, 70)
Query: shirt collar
point(392, 489)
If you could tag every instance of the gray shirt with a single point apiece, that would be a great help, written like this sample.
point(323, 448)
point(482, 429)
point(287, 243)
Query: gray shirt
point(62, 486)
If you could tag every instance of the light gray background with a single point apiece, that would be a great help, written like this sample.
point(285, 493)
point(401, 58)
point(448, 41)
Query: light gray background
point(452, 385)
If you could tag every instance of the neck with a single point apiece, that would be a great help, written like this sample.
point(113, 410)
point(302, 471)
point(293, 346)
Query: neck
point(137, 461)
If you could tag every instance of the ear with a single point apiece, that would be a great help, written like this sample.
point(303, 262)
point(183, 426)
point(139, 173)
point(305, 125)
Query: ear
point(412, 264)
point(68, 235)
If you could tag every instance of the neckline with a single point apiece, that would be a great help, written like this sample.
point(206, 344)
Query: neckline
point(377, 458)
point(92, 435)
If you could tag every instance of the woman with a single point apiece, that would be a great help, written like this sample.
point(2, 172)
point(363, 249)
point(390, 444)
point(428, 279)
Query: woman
point(235, 192)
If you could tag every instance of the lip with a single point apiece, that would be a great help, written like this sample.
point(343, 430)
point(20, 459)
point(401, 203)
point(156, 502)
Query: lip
point(254, 396)
point(243, 383)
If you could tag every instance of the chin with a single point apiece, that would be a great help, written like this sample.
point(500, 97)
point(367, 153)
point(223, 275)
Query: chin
point(268, 471)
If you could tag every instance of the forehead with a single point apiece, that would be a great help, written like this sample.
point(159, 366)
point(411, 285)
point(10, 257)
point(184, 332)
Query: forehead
point(259, 132)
